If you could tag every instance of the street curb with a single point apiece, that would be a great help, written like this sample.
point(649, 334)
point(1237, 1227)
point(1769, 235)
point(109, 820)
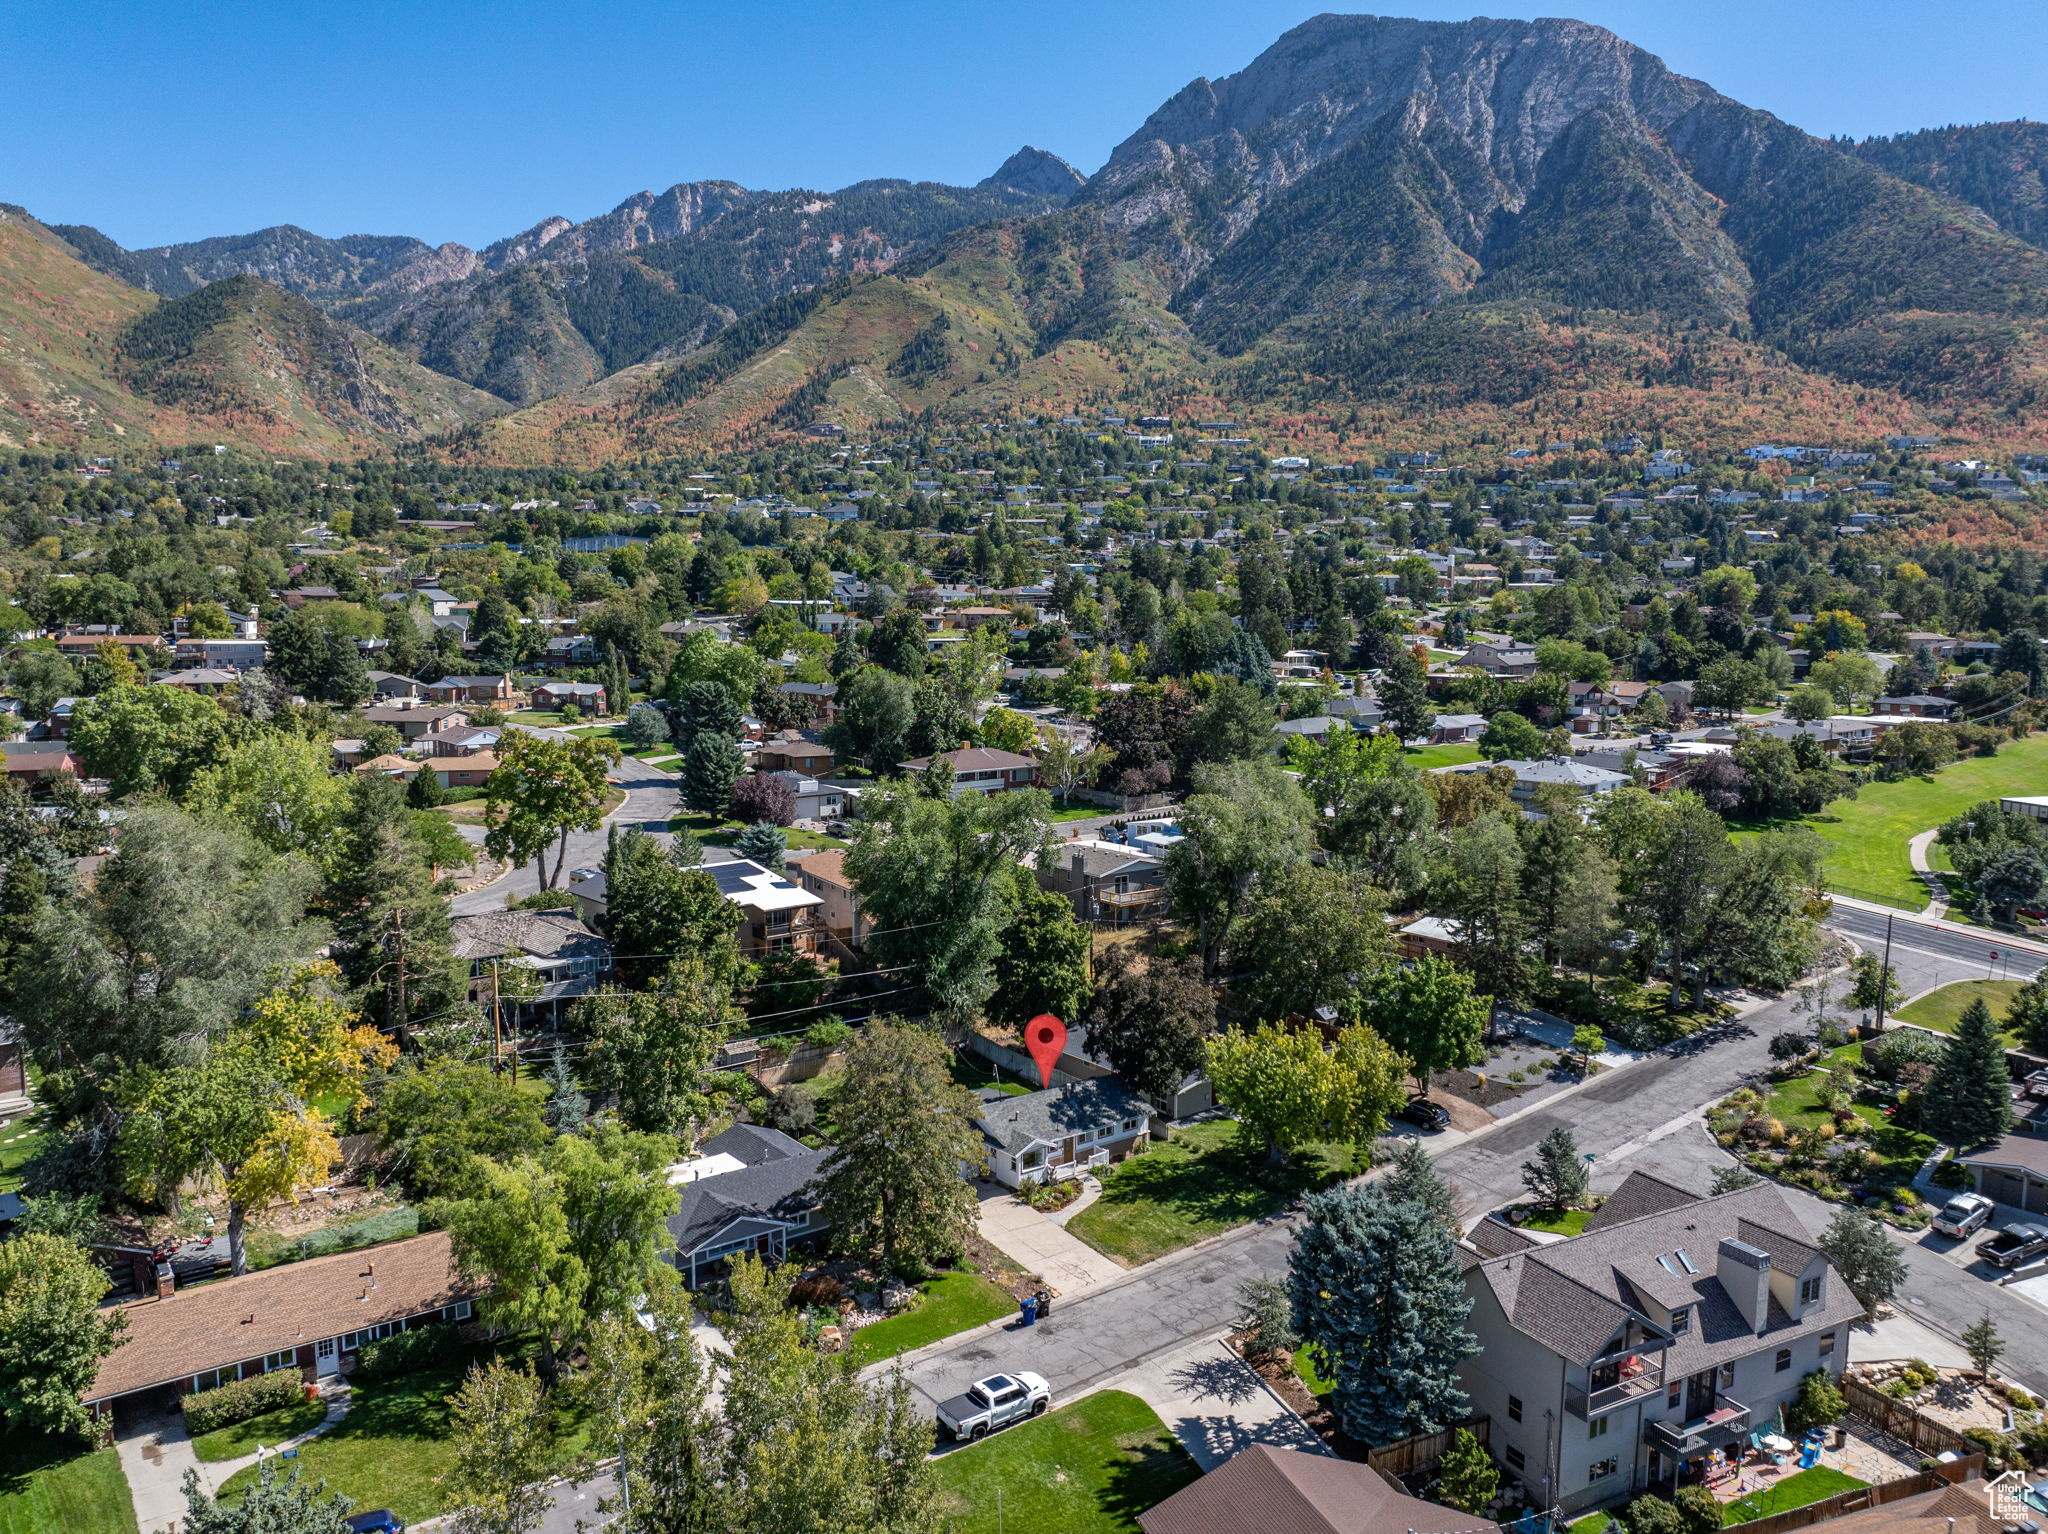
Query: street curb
point(1984, 935)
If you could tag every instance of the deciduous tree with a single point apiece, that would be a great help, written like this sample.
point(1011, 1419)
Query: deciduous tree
point(1041, 960)
point(1428, 1011)
point(540, 791)
point(1309, 935)
point(1149, 1019)
point(53, 1334)
point(1245, 822)
point(1290, 1089)
point(503, 1438)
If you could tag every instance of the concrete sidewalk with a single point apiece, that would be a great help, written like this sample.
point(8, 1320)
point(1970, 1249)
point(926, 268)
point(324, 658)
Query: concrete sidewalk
point(1032, 1241)
point(1213, 1403)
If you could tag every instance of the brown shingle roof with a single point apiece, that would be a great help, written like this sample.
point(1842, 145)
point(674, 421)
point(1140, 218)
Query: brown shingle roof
point(828, 867)
point(1638, 1195)
point(236, 1319)
point(1284, 1491)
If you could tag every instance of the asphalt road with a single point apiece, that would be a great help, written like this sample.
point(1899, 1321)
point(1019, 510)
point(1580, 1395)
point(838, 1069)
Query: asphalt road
point(652, 801)
point(1970, 954)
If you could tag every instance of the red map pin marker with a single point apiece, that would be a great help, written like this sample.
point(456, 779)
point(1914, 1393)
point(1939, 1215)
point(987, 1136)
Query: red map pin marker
point(1045, 1036)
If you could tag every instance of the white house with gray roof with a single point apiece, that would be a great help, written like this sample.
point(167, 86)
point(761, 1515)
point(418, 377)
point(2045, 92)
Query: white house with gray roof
point(750, 1189)
point(1046, 1136)
point(1618, 1361)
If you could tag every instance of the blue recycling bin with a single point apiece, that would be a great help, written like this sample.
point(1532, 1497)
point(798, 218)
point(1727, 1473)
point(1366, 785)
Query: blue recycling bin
point(1029, 1310)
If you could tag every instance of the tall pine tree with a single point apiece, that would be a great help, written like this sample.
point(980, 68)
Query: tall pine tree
point(1968, 1100)
point(1376, 1292)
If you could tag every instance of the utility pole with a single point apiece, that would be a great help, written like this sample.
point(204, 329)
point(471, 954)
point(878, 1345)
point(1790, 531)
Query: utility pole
point(1884, 974)
point(497, 1041)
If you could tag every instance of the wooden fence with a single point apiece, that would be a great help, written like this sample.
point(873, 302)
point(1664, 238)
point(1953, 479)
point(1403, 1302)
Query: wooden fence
point(1419, 1455)
point(1900, 1420)
point(1864, 1497)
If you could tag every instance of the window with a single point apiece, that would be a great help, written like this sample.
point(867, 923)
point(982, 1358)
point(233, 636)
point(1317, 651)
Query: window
point(1809, 1290)
point(1727, 1376)
point(1671, 1395)
point(1601, 1471)
point(1784, 1360)
point(1031, 1158)
point(1827, 1343)
point(1515, 1459)
point(1131, 1125)
point(1514, 1408)
point(1597, 1428)
point(282, 1360)
point(459, 1311)
point(1681, 1320)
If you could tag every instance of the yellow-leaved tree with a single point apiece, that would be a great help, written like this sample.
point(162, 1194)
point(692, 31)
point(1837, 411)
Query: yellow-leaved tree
point(254, 1116)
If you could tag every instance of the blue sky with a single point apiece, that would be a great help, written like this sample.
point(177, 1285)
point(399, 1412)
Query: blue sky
point(464, 120)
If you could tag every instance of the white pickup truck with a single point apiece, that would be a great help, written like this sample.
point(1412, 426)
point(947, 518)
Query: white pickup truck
point(994, 1402)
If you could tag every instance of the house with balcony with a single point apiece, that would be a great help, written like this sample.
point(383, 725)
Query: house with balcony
point(1106, 881)
point(1619, 1361)
point(774, 913)
point(824, 874)
point(563, 957)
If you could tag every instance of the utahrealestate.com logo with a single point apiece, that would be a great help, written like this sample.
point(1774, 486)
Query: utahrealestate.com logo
point(2009, 1502)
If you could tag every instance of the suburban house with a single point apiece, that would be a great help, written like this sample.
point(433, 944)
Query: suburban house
point(749, 1189)
point(462, 740)
point(221, 654)
point(589, 697)
point(563, 954)
point(1063, 1131)
point(387, 766)
point(413, 721)
point(299, 596)
point(1616, 1361)
point(82, 646)
point(981, 769)
point(469, 770)
point(1457, 729)
point(493, 691)
point(312, 1316)
point(791, 752)
point(774, 913)
point(37, 761)
point(824, 874)
point(1531, 778)
point(1316, 728)
point(815, 800)
point(14, 1096)
point(1918, 706)
point(1106, 881)
point(1515, 661)
point(389, 684)
point(1263, 1487)
point(1593, 703)
point(200, 679)
point(2012, 1171)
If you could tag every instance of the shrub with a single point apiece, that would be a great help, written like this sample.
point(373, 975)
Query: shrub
point(762, 798)
point(829, 1034)
point(1699, 1508)
point(1818, 1404)
point(408, 1352)
point(791, 1110)
point(1789, 1046)
point(820, 1290)
point(1889, 1056)
point(239, 1400)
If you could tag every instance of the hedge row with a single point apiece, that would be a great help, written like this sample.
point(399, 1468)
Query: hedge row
point(240, 1400)
point(408, 1352)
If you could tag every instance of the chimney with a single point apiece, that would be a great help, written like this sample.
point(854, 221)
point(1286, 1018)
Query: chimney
point(1745, 1274)
point(166, 1281)
point(1079, 858)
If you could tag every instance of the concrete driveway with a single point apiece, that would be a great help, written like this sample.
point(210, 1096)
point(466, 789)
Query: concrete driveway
point(1214, 1404)
point(1037, 1245)
point(155, 1453)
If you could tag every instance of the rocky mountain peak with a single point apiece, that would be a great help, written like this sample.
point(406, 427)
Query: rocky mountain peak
point(1037, 171)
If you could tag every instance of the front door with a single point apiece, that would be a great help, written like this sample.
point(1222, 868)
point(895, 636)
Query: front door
point(1067, 1151)
point(1700, 1395)
point(326, 1358)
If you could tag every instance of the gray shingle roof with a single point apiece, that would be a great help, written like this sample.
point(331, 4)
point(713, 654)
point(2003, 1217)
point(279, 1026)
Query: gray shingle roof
point(1017, 1122)
point(1638, 1195)
point(779, 1190)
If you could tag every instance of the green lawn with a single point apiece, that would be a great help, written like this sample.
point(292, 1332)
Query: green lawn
point(974, 1072)
point(18, 1141)
point(1078, 812)
point(1422, 758)
point(953, 1302)
point(1943, 1009)
point(1795, 1490)
point(1867, 835)
point(714, 832)
point(1568, 1222)
point(57, 1484)
point(1201, 1182)
point(1797, 1102)
point(1305, 1369)
point(1592, 1523)
point(392, 1447)
point(1089, 1468)
point(268, 1430)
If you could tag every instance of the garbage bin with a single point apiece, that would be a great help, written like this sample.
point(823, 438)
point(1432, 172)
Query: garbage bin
point(1044, 1299)
point(1029, 1311)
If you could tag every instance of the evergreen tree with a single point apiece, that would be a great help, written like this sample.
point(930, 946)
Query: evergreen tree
point(1556, 1175)
point(710, 767)
point(1377, 1294)
point(1467, 1478)
point(1968, 1101)
point(279, 1503)
point(1981, 1341)
point(763, 844)
point(1412, 1178)
point(1404, 697)
point(424, 792)
point(1861, 1252)
point(392, 937)
point(2027, 1016)
point(567, 1108)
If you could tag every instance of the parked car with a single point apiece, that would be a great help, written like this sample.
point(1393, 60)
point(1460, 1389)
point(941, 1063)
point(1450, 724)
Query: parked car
point(994, 1402)
point(1963, 1215)
point(1425, 1114)
point(383, 1521)
point(2014, 1245)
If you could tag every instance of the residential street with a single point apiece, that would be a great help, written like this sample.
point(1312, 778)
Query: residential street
point(651, 802)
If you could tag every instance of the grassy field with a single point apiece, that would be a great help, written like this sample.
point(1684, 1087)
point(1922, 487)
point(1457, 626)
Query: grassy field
point(1201, 1182)
point(48, 1484)
point(714, 832)
point(1795, 1490)
point(393, 1446)
point(1422, 758)
point(1943, 1009)
point(18, 1141)
point(953, 1302)
point(1569, 1222)
point(270, 1429)
point(1867, 835)
point(1089, 1468)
